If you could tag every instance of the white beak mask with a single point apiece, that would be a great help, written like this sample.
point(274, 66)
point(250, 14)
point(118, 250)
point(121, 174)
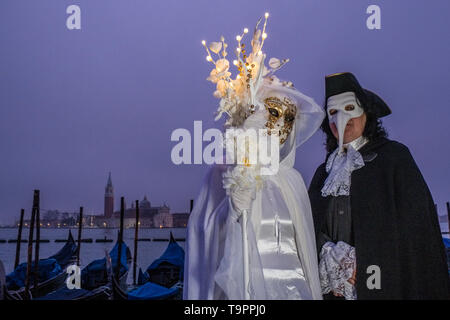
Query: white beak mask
point(340, 109)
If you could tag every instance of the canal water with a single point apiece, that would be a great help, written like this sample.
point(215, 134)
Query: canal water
point(148, 251)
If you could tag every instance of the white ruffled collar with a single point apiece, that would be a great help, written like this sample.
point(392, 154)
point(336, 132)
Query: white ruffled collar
point(340, 167)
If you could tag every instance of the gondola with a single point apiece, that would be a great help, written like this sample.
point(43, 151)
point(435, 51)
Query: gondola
point(167, 270)
point(147, 291)
point(100, 293)
point(65, 256)
point(95, 280)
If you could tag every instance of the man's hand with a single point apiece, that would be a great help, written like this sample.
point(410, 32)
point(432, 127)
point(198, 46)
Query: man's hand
point(352, 280)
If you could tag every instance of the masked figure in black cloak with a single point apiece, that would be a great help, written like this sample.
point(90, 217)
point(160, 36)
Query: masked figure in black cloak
point(376, 224)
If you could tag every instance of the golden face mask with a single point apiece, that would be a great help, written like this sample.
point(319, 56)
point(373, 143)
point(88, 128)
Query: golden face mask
point(281, 116)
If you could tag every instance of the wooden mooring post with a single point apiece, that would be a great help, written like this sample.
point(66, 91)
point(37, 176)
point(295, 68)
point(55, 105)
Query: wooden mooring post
point(19, 239)
point(136, 235)
point(38, 240)
point(30, 247)
point(119, 257)
point(448, 216)
point(80, 227)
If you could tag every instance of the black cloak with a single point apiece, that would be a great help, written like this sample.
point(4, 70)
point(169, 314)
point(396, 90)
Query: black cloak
point(394, 224)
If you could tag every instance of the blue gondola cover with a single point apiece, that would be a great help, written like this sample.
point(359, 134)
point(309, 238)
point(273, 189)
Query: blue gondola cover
point(446, 242)
point(174, 255)
point(151, 291)
point(48, 268)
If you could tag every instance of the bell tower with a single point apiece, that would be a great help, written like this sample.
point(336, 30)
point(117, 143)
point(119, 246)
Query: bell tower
point(109, 198)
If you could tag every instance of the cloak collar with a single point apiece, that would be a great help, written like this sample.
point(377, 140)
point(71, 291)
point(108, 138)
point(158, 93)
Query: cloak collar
point(368, 151)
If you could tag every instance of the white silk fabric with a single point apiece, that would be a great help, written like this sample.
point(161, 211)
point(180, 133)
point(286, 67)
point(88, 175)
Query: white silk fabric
point(282, 249)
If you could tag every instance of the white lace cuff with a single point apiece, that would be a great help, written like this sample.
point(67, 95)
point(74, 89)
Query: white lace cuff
point(336, 266)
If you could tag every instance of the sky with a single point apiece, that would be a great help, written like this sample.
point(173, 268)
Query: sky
point(77, 104)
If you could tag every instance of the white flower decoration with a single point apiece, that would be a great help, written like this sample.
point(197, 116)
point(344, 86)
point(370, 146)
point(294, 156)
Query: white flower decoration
point(215, 47)
point(220, 72)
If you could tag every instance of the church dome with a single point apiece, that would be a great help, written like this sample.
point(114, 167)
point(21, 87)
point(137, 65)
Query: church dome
point(145, 204)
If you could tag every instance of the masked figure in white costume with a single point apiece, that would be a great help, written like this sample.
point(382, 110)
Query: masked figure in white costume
point(275, 256)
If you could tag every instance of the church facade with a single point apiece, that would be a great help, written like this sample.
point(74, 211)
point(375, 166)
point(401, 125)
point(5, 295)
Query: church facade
point(149, 216)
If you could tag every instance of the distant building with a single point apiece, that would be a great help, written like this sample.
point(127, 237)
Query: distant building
point(180, 220)
point(54, 219)
point(109, 198)
point(149, 217)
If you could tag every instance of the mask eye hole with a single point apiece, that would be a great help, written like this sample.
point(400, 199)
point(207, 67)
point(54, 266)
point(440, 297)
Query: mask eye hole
point(274, 112)
point(332, 111)
point(349, 107)
point(289, 117)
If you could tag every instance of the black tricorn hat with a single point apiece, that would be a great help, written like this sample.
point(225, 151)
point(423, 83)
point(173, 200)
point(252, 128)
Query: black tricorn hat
point(344, 82)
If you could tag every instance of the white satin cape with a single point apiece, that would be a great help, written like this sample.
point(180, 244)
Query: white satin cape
point(282, 249)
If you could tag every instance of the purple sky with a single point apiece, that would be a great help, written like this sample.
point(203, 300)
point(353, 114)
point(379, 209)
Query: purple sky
point(77, 104)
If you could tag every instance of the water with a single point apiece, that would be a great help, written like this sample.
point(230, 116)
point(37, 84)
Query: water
point(147, 251)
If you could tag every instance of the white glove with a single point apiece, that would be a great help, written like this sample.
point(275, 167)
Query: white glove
point(242, 199)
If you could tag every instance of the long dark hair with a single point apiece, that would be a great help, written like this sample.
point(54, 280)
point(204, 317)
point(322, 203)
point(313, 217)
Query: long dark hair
point(373, 130)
